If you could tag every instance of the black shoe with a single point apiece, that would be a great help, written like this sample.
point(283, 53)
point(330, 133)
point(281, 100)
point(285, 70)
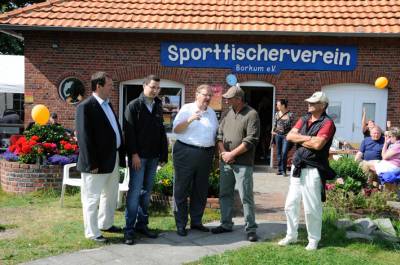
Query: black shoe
point(129, 240)
point(285, 174)
point(219, 230)
point(100, 239)
point(181, 231)
point(146, 232)
point(252, 237)
point(279, 173)
point(113, 229)
point(200, 227)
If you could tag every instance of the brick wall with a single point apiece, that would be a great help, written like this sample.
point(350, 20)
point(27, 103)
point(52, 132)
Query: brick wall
point(130, 56)
point(24, 178)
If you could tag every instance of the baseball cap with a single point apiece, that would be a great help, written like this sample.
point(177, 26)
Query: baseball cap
point(318, 96)
point(233, 92)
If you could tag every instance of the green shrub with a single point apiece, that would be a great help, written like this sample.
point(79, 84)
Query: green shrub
point(213, 181)
point(377, 201)
point(349, 201)
point(350, 184)
point(346, 167)
point(345, 201)
point(163, 181)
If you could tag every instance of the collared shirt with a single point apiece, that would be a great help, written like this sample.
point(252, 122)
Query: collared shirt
point(105, 105)
point(149, 104)
point(200, 132)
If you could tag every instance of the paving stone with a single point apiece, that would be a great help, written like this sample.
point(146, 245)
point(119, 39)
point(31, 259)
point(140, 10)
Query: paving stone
point(385, 225)
point(365, 226)
point(386, 236)
point(353, 235)
point(393, 204)
point(344, 223)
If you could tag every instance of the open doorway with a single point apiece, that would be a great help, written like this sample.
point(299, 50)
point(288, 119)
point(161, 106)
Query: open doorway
point(171, 94)
point(260, 96)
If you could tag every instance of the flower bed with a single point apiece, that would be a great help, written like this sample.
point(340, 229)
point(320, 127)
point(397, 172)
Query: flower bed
point(34, 161)
point(48, 144)
point(355, 192)
point(24, 178)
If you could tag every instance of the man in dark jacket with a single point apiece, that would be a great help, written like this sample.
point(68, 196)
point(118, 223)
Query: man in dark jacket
point(147, 146)
point(313, 135)
point(100, 154)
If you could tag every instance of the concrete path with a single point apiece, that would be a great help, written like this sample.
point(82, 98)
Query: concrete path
point(170, 249)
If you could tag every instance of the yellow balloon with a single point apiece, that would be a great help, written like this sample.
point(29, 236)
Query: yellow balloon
point(381, 82)
point(40, 114)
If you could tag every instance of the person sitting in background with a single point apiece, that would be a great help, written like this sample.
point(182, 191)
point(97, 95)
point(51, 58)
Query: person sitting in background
point(53, 120)
point(371, 147)
point(390, 154)
point(366, 126)
point(11, 117)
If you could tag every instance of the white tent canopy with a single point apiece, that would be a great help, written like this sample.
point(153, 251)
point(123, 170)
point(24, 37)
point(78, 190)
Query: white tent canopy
point(12, 74)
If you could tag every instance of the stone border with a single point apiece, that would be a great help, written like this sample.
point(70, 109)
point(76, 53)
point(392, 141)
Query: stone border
point(24, 178)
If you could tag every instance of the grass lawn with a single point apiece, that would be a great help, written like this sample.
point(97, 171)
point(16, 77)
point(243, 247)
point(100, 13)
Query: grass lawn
point(40, 228)
point(335, 249)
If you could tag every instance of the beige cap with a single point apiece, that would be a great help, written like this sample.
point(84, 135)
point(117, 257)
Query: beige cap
point(318, 96)
point(233, 92)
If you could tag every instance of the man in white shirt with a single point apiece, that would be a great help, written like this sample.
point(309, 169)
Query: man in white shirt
point(195, 128)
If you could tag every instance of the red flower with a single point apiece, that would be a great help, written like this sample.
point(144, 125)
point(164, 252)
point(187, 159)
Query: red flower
point(12, 148)
point(68, 146)
point(26, 149)
point(35, 138)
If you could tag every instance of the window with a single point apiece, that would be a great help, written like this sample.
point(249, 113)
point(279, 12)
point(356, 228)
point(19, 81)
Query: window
point(369, 111)
point(171, 99)
point(334, 111)
point(171, 94)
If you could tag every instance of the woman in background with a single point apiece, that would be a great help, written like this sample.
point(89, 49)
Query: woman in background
point(283, 122)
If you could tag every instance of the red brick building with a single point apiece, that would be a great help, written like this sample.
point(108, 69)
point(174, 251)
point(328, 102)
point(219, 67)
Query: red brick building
point(74, 38)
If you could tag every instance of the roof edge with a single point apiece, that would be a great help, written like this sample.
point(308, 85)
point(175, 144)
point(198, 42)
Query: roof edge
point(28, 8)
point(6, 27)
point(13, 34)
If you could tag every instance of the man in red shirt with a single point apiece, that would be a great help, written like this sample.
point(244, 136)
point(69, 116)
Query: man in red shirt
point(313, 135)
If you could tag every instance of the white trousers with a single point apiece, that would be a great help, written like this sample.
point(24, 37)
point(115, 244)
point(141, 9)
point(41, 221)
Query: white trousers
point(308, 187)
point(99, 194)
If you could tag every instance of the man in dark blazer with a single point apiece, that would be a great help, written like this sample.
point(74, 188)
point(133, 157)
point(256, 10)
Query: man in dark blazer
point(100, 153)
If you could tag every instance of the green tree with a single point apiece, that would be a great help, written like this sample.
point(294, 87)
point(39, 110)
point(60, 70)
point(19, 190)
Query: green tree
point(8, 43)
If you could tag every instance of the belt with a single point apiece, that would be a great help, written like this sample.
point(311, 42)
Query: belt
point(195, 146)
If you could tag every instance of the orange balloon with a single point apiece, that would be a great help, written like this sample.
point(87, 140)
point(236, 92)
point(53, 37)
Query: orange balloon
point(40, 114)
point(381, 82)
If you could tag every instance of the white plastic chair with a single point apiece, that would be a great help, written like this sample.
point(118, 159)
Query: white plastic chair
point(77, 182)
point(124, 186)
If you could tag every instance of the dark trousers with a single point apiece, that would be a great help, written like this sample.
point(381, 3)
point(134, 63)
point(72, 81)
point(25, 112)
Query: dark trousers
point(192, 169)
point(283, 147)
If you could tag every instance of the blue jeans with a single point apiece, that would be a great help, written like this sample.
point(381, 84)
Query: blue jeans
point(138, 197)
point(282, 148)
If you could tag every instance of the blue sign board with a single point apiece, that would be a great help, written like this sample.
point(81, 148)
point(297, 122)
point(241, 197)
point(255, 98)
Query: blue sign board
point(258, 58)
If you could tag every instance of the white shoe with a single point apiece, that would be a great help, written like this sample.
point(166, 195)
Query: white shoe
point(312, 245)
point(287, 241)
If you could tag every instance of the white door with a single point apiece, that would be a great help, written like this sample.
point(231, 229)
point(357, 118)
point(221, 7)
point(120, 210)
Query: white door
point(346, 104)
